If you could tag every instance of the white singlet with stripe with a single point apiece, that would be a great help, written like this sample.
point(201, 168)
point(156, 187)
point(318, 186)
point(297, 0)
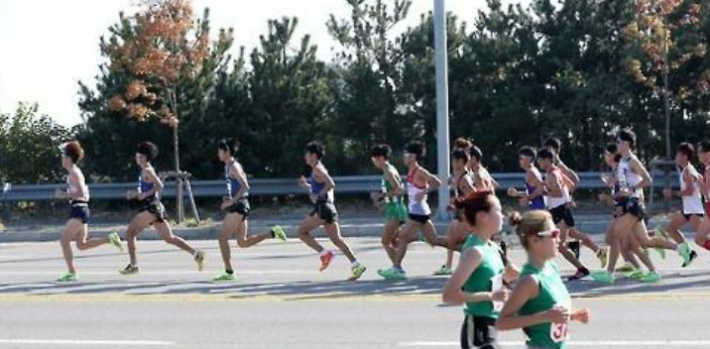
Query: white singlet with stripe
point(554, 202)
point(627, 178)
point(72, 189)
point(417, 207)
point(692, 204)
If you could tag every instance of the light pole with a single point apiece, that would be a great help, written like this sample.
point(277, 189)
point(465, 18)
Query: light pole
point(442, 105)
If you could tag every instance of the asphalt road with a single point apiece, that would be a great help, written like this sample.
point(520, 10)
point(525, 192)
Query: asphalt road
point(280, 300)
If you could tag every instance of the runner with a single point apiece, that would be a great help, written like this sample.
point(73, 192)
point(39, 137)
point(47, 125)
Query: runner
point(461, 183)
point(152, 211)
point(702, 235)
point(321, 189)
point(76, 228)
point(540, 303)
point(419, 183)
point(534, 196)
point(237, 208)
point(556, 145)
point(632, 177)
point(630, 247)
point(390, 196)
point(480, 276)
point(693, 210)
point(558, 199)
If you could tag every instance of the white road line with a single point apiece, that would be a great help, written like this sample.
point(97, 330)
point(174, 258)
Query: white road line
point(157, 272)
point(573, 344)
point(85, 342)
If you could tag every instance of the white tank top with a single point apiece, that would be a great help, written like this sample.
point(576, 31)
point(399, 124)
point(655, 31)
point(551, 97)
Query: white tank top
point(554, 202)
point(692, 204)
point(627, 178)
point(72, 189)
point(417, 207)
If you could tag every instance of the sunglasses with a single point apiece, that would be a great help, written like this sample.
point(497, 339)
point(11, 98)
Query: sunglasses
point(553, 233)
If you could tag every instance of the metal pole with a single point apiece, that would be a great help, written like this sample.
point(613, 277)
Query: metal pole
point(442, 105)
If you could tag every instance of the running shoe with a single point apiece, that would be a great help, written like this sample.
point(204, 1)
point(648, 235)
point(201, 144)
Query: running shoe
point(357, 272)
point(693, 255)
point(225, 276)
point(68, 277)
point(200, 260)
point(626, 268)
point(661, 252)
point(603, 256)
point(581, 273)
point(635, 275)
point(129, 270)
point(650, 277)
point(325, 260)
point(115, 241)
point(443, 271)
point(279, 232)
point(392, 274)
point(603, 277)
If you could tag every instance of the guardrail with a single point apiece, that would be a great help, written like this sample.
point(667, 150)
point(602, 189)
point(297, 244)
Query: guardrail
point(266, 187)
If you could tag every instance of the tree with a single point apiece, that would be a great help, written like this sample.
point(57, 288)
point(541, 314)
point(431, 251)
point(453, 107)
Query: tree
point(30, 147)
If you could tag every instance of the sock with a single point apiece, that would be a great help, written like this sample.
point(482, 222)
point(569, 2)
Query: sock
point(355, 264)
point(706, 245)
point(229, 271)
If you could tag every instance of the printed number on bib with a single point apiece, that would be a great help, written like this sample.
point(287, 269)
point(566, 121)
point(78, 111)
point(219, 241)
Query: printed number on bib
point(497, 284)
point(558, 332)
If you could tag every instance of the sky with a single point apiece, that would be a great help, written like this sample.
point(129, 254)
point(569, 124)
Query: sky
point(47, 46)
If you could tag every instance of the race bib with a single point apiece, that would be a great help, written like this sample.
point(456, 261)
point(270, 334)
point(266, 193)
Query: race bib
point(558, 332)
point(497, 284)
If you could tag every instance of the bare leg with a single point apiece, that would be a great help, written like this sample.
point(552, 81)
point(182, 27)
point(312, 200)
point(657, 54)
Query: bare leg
point(166, 232)
point(139, 223)
point(333, 231)
point(83, 243)
point(309, 224)
point(407, 236)
point(584, 238)
point(673, 228)
point(70, 232)
point(389, 238)
point(562, 247)
point(228, 227)
point(244, 240)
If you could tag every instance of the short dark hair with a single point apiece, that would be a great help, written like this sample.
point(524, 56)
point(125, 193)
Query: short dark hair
point(317, 148)
point(417, 148)
point(148, 149)
point(381, 150)
point(704, 146)
point(475, 153)
point(627, 135)
point(463, 143)
point(527, 151)
point(460, 154)
point(554, 143)
point(228, 145)
point(74, 151)
point(546, 153)
point(686, 149)
point(611, 148)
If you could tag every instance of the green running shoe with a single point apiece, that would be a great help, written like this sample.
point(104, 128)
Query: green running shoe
point(603, 256)
point(200, 260)
point(693, 255)
point(68, 277)
point(225, 277)
point(357, 271)
point(650, 277)
point(279, 233)
point(443, 271)
point(115, 241)
point(635, 275)
point(603, 277)
point(129, 270)
point(392, 274)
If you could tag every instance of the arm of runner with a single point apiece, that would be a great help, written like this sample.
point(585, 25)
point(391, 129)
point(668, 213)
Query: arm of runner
point(689, 181)
point(241, 177)
point(581, 315)
point(638, 168)
point(453, 291)
point(539, 188)
point(569, 173)
point(433, 181)
point(704, 182)
point(466, 185)
point(508, 319)
point(395, 183)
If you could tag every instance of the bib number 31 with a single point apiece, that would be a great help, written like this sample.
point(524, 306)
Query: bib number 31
point(558, 332)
